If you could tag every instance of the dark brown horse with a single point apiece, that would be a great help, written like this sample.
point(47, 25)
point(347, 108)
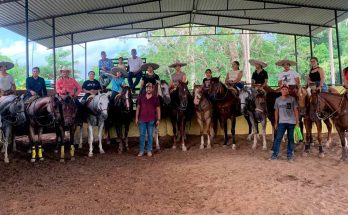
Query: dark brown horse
point(42, 112)
point(226, 103)
point(309, 117)
point(334, 106)
point(182, 110)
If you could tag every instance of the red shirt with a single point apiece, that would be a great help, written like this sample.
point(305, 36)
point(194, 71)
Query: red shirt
point(346, 76)
point(148, 107)
point(68, 85)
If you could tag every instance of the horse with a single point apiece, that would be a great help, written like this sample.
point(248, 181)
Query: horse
point(308, 114)
point(42, 112)
point(161, 90)
point(271, 96)
point(254, 110)
point(97, 112)
point(328, 105)
point(181, 111)
point(204, 111)
point(120, 114)
point(11, 115)
point(69, 114)
point(226, 102)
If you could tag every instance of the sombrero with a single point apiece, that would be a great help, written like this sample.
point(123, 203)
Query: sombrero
point(177, 63)
point(282, 62)
point(65, 68)
point(8, 65)
point(146, 65)
point(114, 70)
point(254, 62)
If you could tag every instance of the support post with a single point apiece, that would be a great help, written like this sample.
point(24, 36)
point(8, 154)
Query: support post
point(72, 55)
point(296, 59)
point(86, 61)
point(54, 51)
point(310, 40)
point(338, 48)
point(27, 37)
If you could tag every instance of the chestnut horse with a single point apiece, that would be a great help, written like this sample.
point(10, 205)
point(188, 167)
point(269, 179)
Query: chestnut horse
point(226, 103)
point(334, 106)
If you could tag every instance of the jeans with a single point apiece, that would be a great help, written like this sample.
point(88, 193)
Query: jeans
point(137, 77)
point(146, 127)
point(282, 127)
point(324, 88)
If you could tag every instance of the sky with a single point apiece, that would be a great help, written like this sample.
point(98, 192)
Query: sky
point(13, 46)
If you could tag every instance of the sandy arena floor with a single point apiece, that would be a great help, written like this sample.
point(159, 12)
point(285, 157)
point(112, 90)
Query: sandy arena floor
point(215, 181)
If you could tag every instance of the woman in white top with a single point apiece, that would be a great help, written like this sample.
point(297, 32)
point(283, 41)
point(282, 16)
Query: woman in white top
point(234, 77)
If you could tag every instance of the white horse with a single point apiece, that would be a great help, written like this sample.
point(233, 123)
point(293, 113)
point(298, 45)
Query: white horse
point(11, 114)
point(97, 113)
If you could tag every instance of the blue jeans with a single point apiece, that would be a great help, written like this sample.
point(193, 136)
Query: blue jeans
point(146, 127)
point(137, 77)
point(324, 88)
point(282, 127)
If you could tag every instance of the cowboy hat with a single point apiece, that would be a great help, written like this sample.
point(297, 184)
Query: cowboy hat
point(146, 65)
point(285, 61)
point(65, 68)
point(8, 65)
point(114, 71)
point(177, 63)
point(284, 85)
point(254, 62)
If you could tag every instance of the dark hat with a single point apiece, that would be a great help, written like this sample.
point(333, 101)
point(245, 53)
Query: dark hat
point(146, 65)
point(8, 65)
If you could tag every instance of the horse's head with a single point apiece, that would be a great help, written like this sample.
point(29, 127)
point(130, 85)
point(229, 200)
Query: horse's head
point(246, 97)
point(302, 96)
point(69, 110)
point(184, 95)
point(214, 87)
point(260, 102)
point(197, 94)
point(101, 105)
point(163, 88)
point(317, 106)
point(54, 108)
point(124, 100)
point(16, 109)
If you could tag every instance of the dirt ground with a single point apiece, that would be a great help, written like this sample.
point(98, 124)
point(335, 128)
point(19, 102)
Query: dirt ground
point(209, 181)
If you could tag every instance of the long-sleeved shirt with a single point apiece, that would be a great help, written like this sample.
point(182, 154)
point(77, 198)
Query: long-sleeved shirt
point(68, 85)
point(37, 85)
point(107, 63)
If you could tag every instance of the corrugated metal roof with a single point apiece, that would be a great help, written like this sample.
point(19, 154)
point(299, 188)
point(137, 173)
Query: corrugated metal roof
point(91, 20)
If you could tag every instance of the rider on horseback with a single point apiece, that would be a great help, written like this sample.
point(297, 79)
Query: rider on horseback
point(259, 79)
point(68, 86)
point(7, 83)
point(289, 77)
point(35, 85)
point(177, 76)
point(90, 87)
point(149, 77)
point(234, 77)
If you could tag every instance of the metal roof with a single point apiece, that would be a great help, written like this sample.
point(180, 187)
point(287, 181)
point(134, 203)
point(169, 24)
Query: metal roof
point(90, 20)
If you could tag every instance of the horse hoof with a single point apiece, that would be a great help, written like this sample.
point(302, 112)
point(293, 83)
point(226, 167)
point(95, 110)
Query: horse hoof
point(29, 151)
point(80, 146)
point(72, 158)
point(184, 149)
point(174, 147)
point(62, 160)
point(233, 146)
point(253, 147)
point(201, 147)
point(119, 152)
point(208, 146)
point(305, 154)
point(41, 159)
point(101, 152)
point(6, 160)
point(264, 148)
point(90, 155)
point(321, 155)
point(158, 148)
point(56, 151)
point(32, 160)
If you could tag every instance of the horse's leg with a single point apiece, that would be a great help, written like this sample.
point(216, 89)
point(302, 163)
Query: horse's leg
point(207, 127)
point(329, 132)
point(6, 136)
point(100, 137)
point(61, 133)
point(33, 145)
point(119, 136)
point(107, 130)
point(90, 140)
point(72, 141)
point(233, 132)
point(308, 126)
point(320, 141)
point(201, 132)
point(126, 131)
point(264, 124)
point(250, 133)
point(81, 136)
point(301, 127)
point(155, 136)
point(182, 133)
point(57, 141)
point(223, 124)
point(13, 135)
point(341, 133)
point(39, 148)
point(174, 132)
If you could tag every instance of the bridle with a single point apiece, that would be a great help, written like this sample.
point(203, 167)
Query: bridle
point(51, 114)
point(13, 118)
point(96, 110)
point(318, 111)
point(214, 94)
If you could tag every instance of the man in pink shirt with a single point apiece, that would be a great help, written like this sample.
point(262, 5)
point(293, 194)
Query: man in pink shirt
point(66, 85)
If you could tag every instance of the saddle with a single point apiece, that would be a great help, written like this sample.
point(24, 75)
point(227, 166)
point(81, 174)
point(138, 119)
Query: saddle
point(6, 92)
point(29, 100)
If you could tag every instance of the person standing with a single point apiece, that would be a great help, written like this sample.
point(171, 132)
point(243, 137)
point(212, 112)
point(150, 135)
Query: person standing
point(90, 87)
point(7, 83)
point(148, 114)
point(286, 118)
point(35, 85)
point(134, 71)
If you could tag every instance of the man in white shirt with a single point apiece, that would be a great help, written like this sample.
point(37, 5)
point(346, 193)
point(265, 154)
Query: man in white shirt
point(134, 64)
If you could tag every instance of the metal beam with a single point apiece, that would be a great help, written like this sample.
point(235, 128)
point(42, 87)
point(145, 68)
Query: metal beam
point(310, 40)
point(72, 55)
point(296, 60)
point(86, 61)
point(7, 1)
point(54, 51)
point(338, 48)
point(27, 37)
point(299, 5)
point(111, 26)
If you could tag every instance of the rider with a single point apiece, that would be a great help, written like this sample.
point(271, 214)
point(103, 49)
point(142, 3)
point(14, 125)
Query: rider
point(150, 75)
point(35, 85)
point(90, 87)
point(105, 64)
point(259, 78)
point(206, 80)
point(68, 86)
point(317, 75)
point(117, 81)
point(7, 83)
point(233, 78)
point(134, 64)
point(288, 76)
point(177, 76)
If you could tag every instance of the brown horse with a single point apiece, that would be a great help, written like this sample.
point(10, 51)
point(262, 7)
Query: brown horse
point(204, 111)
point(226, 103)
point(308, 114)
point(334, 106)
point(42, 112)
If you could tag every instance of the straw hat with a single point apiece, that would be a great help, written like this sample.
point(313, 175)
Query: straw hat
point(254, 62)
point(285, 61)
point(114, 71)
point(146, 65)
point(65, 68)
point(177, 63)
point(8, 65)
